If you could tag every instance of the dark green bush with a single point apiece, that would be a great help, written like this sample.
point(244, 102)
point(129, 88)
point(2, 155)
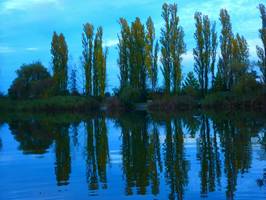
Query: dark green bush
point(129, 96)
point(33, 81)
point(246, 85)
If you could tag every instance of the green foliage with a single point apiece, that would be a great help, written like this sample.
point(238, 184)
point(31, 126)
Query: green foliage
point(205, 50)
point(261, 51)
point(138, 72)
point(59, 51)
point(246, 85)
point(129, 95)
point(73, 82)
point(33, 81)
point(173, 46)
point(171, 103)
point(218, 83)
point(124, 52)
point(52, 104)
point(87, 53)
point(191, 85)
point(99, 65)
point(226, 48)
point(240, 59)
point(151, 53)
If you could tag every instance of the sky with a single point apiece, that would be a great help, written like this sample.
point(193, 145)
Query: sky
point(26, 28)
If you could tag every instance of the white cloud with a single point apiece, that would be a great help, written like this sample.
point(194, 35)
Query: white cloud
point(188, 57)
point(6, 49)
point(110, 43)
point(10, 5)
point(32, 49)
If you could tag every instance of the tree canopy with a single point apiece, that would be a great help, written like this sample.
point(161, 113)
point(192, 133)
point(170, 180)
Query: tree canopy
point(33, 81)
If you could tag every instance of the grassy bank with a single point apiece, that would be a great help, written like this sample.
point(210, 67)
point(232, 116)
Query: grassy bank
point(52, 104)
point(78, 104)
point(216, 101)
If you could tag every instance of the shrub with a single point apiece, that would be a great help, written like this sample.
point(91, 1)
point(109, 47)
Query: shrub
point(32, 81)
point(246, 85)
point(129, 96)
point(172, 103)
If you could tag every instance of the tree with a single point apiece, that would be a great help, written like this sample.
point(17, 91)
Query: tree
point(226, 49)
point(154, 70)
point(73, 82)
point(99, 65)
point(59, 51)
point(205, 51)
point(138, 72)
point(173, 46)
point(261, 51)
point(87, 43)
point(151, 53)
point(33, 81)
point(124, 53)
point(177, 47)
point(240, 58)
point(165, 49)
point(214, 44)
point(191, 84)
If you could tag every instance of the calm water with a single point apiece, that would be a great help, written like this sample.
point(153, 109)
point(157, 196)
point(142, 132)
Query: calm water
point(135, 156)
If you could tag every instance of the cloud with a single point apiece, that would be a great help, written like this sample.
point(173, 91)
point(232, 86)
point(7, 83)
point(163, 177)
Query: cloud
point(12, 5)
point(110, 43)
point(6, 49)
point(31, 49)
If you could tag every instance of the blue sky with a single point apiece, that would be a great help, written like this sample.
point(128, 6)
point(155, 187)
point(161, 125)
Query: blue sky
point(26, 28)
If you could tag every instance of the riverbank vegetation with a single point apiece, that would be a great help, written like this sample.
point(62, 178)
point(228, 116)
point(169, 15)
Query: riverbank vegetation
point(224, 77)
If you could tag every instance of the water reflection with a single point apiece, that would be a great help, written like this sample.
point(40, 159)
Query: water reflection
point(154, 157)
point(34, 136)
point(62, 154)
point(97, 153)
point(176, 166)
point(209, 156)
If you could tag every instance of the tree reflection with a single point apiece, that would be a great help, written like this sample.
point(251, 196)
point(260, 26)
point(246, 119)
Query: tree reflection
point(135, 143)
point(176, 165)
point(209, 156)
point(235, 136)
point(34, 136)
point(150, 157)
point(97, 153)
point(62, 153)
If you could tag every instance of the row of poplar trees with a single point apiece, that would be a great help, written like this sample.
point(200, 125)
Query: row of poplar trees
point(138, 52)
point(139, 55)
point(93, 62)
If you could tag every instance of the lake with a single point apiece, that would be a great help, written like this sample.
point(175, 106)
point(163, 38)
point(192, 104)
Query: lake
point(133, 156)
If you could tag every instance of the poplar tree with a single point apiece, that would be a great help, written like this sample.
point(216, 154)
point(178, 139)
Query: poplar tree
point(73, 81)
point(214, 45)
point(138, 72)
point(173, 46)
point(124, 53)
point(226, 49)
point(154, 70)
point(151, 53)
point(59, 51)
point(165, 48)
point(177, 47)
point(240, 58)
point(205, 50)
point(261, 51)
point(99, 65)
point(87, 53)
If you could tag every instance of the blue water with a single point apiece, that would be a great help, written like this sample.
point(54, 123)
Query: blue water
point(135, 156)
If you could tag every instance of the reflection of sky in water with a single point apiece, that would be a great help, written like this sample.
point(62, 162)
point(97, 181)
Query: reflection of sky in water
point(32, 176)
